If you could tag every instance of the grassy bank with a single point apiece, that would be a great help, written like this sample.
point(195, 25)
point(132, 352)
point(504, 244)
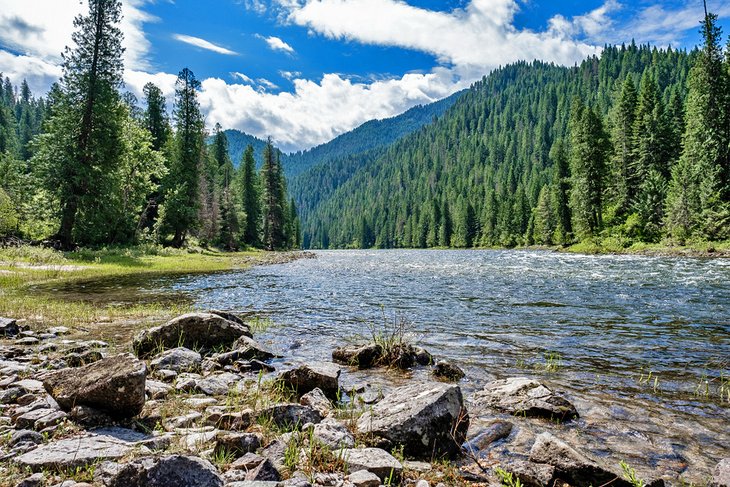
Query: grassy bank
point(611, 245)
point(28, 276)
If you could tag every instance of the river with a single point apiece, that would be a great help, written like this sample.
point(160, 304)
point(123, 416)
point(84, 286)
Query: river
point(641, 345)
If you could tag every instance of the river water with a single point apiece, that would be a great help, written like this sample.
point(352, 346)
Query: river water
point(641, 345)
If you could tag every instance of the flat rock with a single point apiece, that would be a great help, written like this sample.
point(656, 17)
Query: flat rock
point(360, 356)
point(521, 396)
point(200, 331)
point(244, 348)
point(216, 385)
point(363, 478)
point(374, 460)
point(321, 375)
point(169, 471)
point(721, 474)
point(76, 452)
point(333, 434)
point(115, 385)
point(238, 444)
point(425, 419)
point(530, 474)
point(571, 465)
point(178, 359)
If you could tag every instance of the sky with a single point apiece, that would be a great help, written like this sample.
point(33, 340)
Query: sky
point(305, 71)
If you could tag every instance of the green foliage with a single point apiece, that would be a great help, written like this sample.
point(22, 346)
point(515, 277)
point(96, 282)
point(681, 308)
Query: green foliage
point(8, 215)
point(630, 475)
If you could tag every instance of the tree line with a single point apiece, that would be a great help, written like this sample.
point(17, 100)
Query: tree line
point(633, 145)
point(88, 166)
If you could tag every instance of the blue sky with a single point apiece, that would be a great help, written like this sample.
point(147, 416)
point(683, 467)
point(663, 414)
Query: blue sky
point(304, 71)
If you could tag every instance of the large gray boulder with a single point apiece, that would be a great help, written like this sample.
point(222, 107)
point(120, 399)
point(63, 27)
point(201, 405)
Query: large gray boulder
point(321, 375)
point(71, 453)
point(114, 385)
point(179, 359)
point(721, 474)
point(572, 466)
point(198, 331)
point(427, 420)
point(169, 471)
point(521, 396)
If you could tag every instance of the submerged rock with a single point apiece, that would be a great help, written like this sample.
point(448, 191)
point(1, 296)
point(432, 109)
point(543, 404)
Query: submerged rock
point(521, 396)
point(447, 370)
point(204, 331)
point(322, 375)
point(173, 470)
point(572, 466)
point(427, 420)
point(115, 385)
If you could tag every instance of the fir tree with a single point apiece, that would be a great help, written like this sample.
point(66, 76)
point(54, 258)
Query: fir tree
point(251, 201)
point(274, 237)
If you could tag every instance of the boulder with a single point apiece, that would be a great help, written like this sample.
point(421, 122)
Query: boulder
point(264, 472)
point(484, 439)
point(529, 473)
point(321, 375)
point(721, 474)
point(448, 371)
point(115, 385)
point(71, 453)
point(290, 416)
point(363, 478)
point(570, 465)
point(427, 420)
point(200, 331)
point(332, 434)
point(35, 480)
point(521, 396)
point(178, 359)
point(360, 356)
point(39, 419)
point(216, 385)
point(317, 400)
point(169, 471)
point(8, 327)
point(374, 460)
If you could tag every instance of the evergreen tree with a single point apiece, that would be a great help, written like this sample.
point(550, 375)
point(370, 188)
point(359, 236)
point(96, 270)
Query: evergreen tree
point(698, 194)
point(83, 142)
point(155, 116)
point(251, 201)
point(589, 150)
point(182, 195)
point(625, 177)
point(274, 237)
point(561, 189)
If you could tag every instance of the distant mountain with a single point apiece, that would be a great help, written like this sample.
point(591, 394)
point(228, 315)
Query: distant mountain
point(370, 135)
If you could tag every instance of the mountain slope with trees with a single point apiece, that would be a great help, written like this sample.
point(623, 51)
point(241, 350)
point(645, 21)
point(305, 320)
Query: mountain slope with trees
point(631, 145)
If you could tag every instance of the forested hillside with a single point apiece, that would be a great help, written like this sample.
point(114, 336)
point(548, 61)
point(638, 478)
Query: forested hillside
point(239, 141)
point(632, 146)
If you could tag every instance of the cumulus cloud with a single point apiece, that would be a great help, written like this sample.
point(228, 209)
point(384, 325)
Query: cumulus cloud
point(203, 44)
point(242, 77)
point(276, 44)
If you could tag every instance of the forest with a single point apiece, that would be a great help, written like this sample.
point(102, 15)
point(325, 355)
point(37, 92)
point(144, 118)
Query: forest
point(631, 146)
point(86, 165)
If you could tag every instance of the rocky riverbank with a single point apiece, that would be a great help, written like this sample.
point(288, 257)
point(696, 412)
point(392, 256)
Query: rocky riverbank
point(199, 403)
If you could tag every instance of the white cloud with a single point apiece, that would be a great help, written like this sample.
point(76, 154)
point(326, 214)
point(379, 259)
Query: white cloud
point(276, 44)
point(317, 112)
point(289, 75)
point(203, 44)
point(265, 84)
point(242, 77)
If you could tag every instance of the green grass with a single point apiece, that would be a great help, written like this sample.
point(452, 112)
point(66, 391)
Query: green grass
point(28, 276)
point(616, 245)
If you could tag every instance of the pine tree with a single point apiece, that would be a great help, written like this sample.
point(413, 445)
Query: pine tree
point(561, 189)
point(624, 115)
point(274, 237)
point(251, 201)
point(589, 150)
point(182, 195)
point(698, 194)
point(155, 116)
point(82, 144)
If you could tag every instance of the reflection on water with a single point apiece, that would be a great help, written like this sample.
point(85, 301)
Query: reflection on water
point(602, 324)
